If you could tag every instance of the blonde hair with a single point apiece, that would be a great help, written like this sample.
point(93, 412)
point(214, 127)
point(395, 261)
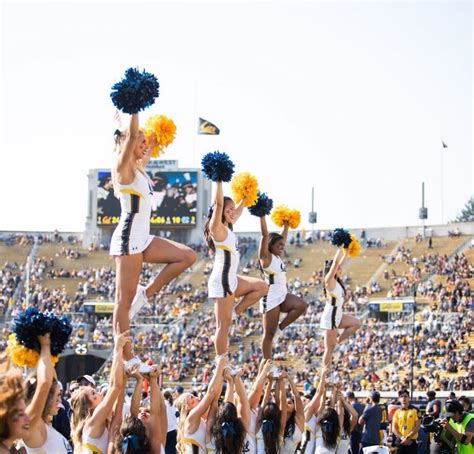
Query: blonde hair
point(181, 405)
point(11, 391)
point(81, 411)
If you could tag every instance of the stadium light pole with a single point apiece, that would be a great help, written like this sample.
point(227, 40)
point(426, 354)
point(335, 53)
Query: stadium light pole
point(413, 343)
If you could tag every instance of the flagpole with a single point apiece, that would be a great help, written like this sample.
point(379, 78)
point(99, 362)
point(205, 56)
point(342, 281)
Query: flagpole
point(442, 181)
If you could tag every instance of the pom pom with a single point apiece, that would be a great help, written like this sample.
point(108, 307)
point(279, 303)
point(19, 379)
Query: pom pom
point(282, 214)
point(30, 324)
point(341, 237)
point(135, 92)
point(263, 207)
point(245, 186)
point(354, 247)
point(160, 132)
point(217, 166)
point(22, 356)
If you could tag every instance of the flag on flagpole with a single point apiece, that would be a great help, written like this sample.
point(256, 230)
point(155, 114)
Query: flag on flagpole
point(208, 128)
point(445, 145)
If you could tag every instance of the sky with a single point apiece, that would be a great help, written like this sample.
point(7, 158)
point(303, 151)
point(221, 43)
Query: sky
point(351, 98)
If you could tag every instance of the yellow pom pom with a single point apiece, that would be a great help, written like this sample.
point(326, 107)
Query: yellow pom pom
point(245, 186)
point(282, 214)
point(22, 356)
point(160, 132)
point(354, 248)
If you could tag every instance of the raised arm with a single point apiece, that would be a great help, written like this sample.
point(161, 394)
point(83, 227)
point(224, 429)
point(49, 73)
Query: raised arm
point(330, 278)
point(211, 416)
point(299, 408)
point(316, 403)
point(116, 421)
point(158, 426)
point(215, 385)
point(104, 409)
point(238, 209)
point(125, 156)
point(264, 254)
point(137, 392)
point(229, 392)
point(44, 381)
point(216, 227)
point(281, 393)
point(284, 232)
point(243, 406)
point(352, 411)
point(259, 384)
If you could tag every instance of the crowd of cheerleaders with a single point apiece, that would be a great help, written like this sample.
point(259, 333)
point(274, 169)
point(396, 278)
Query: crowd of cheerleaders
point(280, 422)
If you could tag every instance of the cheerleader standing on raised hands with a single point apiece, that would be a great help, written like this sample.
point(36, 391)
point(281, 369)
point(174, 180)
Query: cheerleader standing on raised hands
point(131, 243)
point(333, 318)
point(224, 284)
point(278, 299)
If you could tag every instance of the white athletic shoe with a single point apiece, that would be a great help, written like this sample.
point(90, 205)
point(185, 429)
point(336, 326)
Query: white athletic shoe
point(275, 372)
point(138, 302)
point(143, 368)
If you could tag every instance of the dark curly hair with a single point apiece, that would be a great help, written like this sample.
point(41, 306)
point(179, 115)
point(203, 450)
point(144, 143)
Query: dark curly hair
point(132, 427)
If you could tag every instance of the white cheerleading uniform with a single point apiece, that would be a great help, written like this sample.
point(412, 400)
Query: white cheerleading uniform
point(223, 279)
point(309, 437)
point(196, 443)
point(332, 313)
point(275, 277)
point(95, 445)
point(132, 234)
point(251, 437)
point(290, 444)
point(54, 442)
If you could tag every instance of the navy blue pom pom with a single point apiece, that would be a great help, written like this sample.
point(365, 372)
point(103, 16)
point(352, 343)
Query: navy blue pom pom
point(135, 92)
point(217, 166)
point(32, 323)
point(263, 207)
point(341, 237)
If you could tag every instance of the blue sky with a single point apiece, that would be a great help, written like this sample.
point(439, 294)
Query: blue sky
point(349, 97)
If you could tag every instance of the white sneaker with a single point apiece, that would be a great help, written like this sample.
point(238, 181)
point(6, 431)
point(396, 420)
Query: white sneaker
point(275, 372)
point(138, 302)
point(143, 368)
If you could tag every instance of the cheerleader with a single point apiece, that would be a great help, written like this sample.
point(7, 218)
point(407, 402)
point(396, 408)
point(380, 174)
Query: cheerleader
point(14, 421)
point(144, 429)
point(294, 426)
point(193, 414)
point(332, 318)
point(91, 410)
point(131, 242)
point(277, 300)
point(224, 284)
point(228, 424)
point(43, 400)
point(311, 410)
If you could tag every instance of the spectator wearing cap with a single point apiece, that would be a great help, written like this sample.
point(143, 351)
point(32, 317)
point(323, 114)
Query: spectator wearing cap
point(370, 420)
point(356, 434)
point(460, 425)
point(405, 425)
point(86, 380)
